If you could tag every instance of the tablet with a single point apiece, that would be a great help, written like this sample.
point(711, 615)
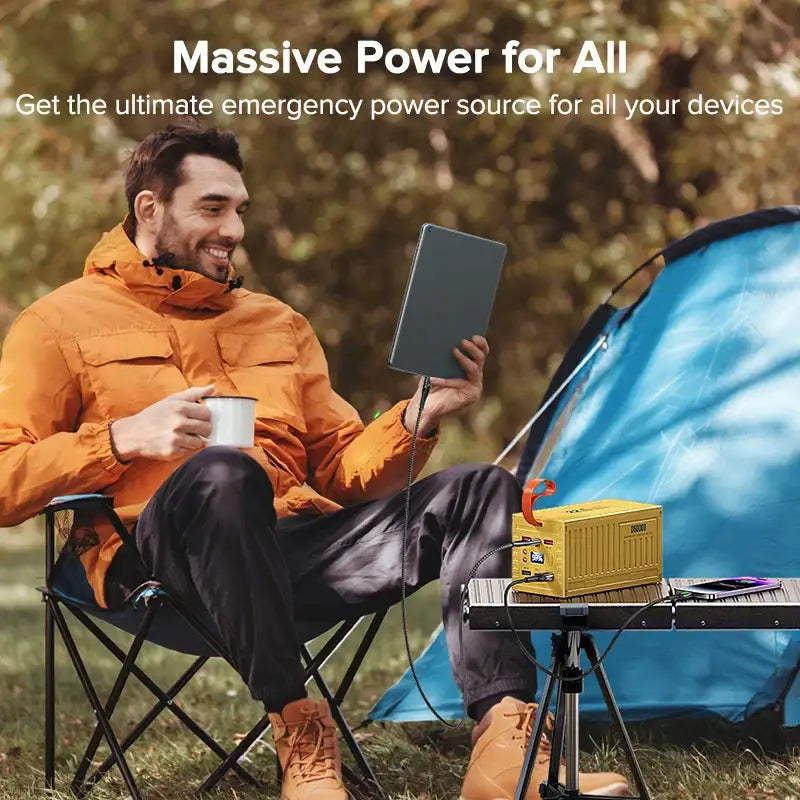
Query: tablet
point(449, 297)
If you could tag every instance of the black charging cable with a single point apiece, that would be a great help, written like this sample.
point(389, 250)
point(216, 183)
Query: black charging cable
point(426, 388)
point(541, 576)
point(673, 598)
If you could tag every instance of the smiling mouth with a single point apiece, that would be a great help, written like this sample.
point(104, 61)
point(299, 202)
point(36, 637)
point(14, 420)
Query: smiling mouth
point(218, 252)
point(220, 255)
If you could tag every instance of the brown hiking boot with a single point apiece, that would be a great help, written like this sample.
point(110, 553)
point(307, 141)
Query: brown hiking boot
point(498, 750)
point(305, 737)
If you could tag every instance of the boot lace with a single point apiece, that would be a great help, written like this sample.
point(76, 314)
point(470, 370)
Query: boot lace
point(312, 751)
point(524, 729)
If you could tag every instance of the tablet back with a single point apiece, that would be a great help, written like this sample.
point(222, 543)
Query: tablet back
point(449, 297)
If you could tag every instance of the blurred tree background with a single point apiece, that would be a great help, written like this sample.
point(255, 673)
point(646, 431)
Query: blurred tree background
point(337, 204)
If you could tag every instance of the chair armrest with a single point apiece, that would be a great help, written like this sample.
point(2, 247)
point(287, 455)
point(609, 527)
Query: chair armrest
point(101, 502)
point(74, 501)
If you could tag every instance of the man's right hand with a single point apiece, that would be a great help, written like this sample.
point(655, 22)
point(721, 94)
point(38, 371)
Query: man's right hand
point(171, 428)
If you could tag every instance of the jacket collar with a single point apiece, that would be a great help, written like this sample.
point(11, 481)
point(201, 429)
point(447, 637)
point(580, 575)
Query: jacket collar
point(116, 257)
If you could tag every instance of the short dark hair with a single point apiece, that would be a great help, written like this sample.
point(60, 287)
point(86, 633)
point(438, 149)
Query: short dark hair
point(155, 163)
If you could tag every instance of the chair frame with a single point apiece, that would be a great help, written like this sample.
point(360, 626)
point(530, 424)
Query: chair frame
point(155, 597)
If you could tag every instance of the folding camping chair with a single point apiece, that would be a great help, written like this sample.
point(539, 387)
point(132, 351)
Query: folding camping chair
point(153, 615)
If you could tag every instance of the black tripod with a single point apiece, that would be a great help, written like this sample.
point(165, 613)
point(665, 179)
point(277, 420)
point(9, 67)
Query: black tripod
point(565, 666)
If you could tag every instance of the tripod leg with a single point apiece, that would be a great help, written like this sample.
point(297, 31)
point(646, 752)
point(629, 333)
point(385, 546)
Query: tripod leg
point(557, 740)
point(538, 725)
point(572, 690)
point(616, 717)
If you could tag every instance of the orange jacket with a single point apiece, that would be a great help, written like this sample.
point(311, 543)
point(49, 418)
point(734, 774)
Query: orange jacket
point(124, 336)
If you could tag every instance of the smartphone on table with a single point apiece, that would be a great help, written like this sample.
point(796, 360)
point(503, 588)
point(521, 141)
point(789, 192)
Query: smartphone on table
point(730, 587)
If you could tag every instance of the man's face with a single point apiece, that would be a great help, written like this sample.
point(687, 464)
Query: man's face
point(202, 223)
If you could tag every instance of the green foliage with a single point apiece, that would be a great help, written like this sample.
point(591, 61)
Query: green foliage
point(338, 204)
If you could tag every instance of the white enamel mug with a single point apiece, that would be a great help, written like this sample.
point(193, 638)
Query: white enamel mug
point(233, 420)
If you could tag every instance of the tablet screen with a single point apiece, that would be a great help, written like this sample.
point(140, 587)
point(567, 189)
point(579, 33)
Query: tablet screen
point(449, 297)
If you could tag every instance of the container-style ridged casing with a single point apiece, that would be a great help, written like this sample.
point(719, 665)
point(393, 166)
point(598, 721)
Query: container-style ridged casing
point(588, 547)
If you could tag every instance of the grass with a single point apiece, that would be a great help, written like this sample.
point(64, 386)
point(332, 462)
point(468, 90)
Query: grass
point(420, 761)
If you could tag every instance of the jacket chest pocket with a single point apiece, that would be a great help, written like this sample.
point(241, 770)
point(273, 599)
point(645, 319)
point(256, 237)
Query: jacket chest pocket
point(264, 365)
point(130, 370)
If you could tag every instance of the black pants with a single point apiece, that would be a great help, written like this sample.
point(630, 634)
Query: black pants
point(210, 534)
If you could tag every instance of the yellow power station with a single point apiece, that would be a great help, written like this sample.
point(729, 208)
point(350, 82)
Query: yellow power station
point(588, 547)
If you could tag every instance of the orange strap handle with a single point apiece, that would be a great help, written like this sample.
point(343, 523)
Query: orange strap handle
point(530, 496)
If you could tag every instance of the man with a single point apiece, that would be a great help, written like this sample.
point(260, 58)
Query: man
point(101, 388)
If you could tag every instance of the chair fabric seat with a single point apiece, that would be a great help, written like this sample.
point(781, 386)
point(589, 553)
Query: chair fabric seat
point(168, 629)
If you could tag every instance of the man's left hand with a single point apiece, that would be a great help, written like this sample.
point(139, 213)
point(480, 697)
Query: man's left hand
point(448, 396)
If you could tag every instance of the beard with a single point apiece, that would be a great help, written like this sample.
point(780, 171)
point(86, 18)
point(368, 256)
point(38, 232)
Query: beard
point(186, 254)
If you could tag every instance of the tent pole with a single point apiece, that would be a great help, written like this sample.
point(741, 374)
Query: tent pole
point(601, 342)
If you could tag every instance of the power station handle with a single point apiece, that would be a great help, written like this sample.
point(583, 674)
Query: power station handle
point(530, 496)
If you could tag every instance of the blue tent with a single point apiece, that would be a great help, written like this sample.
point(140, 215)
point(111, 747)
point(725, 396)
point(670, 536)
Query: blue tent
point(689, 398)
